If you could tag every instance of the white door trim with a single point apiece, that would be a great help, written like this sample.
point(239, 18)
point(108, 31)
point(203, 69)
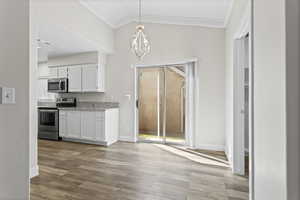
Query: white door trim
point(192, 115)
point(238, 161)
point(191, 106)
point(246, 27)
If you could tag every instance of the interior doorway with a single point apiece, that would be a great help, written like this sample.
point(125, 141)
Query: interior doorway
point(241, 109)
point(165, 104)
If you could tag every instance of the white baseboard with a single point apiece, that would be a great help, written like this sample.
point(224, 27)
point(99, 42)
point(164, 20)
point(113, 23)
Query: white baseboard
point(34, 171)
point(228, 156)
point(126, 139)
point(210, 147)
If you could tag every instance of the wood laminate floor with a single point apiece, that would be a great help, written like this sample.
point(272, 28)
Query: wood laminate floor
point(126, 171)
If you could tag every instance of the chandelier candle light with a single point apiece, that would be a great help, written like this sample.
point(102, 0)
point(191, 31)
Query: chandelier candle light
point(140, 45)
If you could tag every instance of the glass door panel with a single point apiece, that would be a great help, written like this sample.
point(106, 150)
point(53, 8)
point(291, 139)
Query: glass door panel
point(174, 104)
point(150, 102)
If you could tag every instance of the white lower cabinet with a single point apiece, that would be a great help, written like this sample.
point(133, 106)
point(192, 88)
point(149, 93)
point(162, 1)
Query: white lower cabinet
point(62, 124)
point(88, 125)
point(100, 126)
point(73, 124)
point(96, 127)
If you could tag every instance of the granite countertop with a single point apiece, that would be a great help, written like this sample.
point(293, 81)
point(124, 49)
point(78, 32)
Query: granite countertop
point(93, 106)
point(82, 106)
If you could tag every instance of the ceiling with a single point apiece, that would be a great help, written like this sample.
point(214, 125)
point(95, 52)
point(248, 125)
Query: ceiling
point(210, 13)
point(61, 42)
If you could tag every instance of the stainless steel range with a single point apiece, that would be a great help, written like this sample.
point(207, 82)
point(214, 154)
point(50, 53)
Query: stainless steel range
point(48, 121)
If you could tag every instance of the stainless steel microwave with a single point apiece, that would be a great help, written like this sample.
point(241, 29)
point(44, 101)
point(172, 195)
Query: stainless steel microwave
point(58, 85)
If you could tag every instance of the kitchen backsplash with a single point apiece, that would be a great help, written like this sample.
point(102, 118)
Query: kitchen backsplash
point(89, 97)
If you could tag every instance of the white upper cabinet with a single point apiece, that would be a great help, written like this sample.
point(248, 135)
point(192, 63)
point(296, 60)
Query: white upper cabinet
point(86, 78)
point(75, 81)
point(90, 78)
point(62, 72)
point(82, 77)
point(101, 73)
point(53, 72)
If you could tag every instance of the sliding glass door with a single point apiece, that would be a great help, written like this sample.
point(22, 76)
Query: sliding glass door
point(161, 104)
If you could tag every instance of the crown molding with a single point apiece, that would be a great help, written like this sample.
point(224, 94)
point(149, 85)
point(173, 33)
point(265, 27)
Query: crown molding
point(174, 20)
point(229, 13)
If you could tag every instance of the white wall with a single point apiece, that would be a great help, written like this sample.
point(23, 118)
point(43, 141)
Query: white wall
point(33, 114)
point(270, 100)
point(81, 58)
point(234, 24)
point(293, 98)
point(174, 43)
point(14, 122)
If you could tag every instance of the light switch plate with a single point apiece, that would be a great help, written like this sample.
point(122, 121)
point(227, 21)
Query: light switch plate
point(8, 95)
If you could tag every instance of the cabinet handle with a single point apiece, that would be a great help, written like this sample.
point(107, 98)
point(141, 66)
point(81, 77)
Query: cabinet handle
point(137, 104)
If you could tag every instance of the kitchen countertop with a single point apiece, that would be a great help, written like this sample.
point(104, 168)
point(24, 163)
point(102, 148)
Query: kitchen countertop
point(92, 106)
point(84, 106)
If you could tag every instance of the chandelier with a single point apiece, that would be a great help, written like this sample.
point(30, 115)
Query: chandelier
point(140, 45)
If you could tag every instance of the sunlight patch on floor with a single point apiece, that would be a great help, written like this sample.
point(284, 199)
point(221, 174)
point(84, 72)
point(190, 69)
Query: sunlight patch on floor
point(155, 138)
point(193, 157)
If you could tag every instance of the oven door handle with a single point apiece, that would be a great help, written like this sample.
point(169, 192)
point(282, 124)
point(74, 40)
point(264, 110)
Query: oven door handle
point(59, 85)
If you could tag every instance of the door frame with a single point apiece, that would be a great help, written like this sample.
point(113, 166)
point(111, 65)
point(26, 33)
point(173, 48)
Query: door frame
point(238, 161)
point(191, 102)
point(245, 28)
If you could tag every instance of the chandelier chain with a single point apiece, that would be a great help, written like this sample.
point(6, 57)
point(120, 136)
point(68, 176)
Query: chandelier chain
point(140, 11)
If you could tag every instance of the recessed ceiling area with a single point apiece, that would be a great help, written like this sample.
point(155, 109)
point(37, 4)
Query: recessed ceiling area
point(210, 13)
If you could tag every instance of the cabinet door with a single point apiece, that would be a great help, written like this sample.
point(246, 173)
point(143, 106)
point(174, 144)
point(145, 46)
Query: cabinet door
point(89, 78)
point(73, 124)
point(100, 127)
point(62, 124)
point(62, 72)
point(53, 72)
point(88, 125)
point(74, 74)
point(101, 72)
